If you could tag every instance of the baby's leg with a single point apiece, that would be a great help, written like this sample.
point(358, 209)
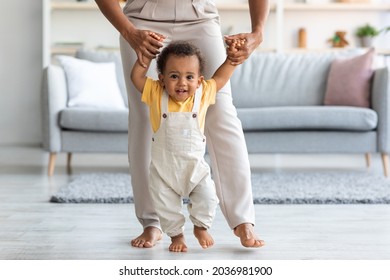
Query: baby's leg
point(168, 205)
point(203, 236)
point(178, 244)
point(203, 202)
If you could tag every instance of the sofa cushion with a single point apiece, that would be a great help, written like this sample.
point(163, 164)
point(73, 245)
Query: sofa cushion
point(91, 84)
point(349, 81)
point(308, 118)
point(94, 120)
point(107, 56)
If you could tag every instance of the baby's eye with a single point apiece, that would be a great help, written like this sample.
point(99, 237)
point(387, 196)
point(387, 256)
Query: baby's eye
point(190, 77)
point(174, 76)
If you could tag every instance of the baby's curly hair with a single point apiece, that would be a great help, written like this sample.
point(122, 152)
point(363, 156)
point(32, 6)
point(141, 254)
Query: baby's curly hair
point(179, 48)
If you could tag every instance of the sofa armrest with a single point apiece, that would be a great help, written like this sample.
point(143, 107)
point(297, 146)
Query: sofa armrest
point(54, 99)
point(381, 104)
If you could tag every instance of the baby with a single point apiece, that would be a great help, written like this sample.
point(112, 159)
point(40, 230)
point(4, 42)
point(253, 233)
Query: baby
point(178, 103)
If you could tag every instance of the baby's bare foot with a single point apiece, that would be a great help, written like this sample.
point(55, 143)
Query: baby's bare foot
point(203, 236)
point(178, 244)
point(148, 238)
point(247, 236)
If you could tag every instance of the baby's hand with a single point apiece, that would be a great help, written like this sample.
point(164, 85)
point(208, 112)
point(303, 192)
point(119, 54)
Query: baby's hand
point(156, 37)
point(235, 45)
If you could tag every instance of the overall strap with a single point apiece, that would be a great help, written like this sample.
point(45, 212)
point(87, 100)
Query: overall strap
point(197, 99)
point(164, 102)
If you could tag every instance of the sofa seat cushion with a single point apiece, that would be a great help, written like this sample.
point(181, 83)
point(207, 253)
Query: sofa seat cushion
point(94, 119)
point(308, 118)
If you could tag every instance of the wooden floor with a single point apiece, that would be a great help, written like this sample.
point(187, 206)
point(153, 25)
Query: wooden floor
point(32, 228)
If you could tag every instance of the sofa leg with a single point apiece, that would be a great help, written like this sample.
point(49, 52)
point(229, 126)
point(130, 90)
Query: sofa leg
point(52, 163)
point(68, 163)
point(368, 160)
point(385, 162)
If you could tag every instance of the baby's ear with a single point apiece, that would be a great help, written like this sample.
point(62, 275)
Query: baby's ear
point(161, 79)
point(200, 80)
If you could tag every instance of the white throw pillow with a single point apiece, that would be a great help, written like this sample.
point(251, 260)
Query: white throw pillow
point(91, 84)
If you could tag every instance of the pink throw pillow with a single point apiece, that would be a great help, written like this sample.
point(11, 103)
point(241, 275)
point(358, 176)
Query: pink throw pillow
point(349, 81)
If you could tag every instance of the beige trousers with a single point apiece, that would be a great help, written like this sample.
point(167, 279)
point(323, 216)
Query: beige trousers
point(197, 22)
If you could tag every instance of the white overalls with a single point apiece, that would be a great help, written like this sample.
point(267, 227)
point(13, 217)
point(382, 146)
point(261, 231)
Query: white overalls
point(178, 169)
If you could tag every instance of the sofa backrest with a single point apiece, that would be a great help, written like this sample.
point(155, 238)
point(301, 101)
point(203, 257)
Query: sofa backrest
point(276, 79)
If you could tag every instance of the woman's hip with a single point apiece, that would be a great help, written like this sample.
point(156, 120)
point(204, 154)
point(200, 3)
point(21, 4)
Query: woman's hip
point(171, 10)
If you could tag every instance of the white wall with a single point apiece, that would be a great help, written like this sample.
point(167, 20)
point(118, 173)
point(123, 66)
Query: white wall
point(20, 71)
point(21, 60)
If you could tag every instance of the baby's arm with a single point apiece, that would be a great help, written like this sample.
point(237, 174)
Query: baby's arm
point(225, 71)
point(138, 73)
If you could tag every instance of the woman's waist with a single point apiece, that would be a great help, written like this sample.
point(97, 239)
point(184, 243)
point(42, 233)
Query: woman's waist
point(171, 10)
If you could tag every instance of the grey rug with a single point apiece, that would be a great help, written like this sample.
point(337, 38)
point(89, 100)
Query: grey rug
point(336, 187)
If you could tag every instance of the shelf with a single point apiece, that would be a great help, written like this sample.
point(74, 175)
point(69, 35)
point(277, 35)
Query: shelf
point(73, 6)
point(361, 7)
point(243, 7)
point(72, 50)
point(239, 7)
point(76, 5)
point(384, 52)
point(63, 50)
point(233, 7)
point(93, 6)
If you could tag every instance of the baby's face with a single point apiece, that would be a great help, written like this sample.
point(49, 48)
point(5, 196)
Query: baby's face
point(181, 76)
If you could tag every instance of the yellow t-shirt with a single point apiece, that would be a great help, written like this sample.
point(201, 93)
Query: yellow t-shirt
point(152, 96)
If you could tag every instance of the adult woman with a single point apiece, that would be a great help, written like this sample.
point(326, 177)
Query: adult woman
point(196, 21)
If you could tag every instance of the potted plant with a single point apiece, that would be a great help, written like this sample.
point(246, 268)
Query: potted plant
point(367, 33)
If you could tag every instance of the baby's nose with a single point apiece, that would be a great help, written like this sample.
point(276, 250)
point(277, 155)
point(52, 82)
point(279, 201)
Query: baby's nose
point(182, 81)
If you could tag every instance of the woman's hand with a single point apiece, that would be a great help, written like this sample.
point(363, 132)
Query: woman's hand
point(141, 41)
point(145, 44)
point(242, 51)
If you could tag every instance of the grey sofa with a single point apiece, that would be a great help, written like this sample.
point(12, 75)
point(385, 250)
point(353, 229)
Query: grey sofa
point(80, 130)
point(279, 100)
